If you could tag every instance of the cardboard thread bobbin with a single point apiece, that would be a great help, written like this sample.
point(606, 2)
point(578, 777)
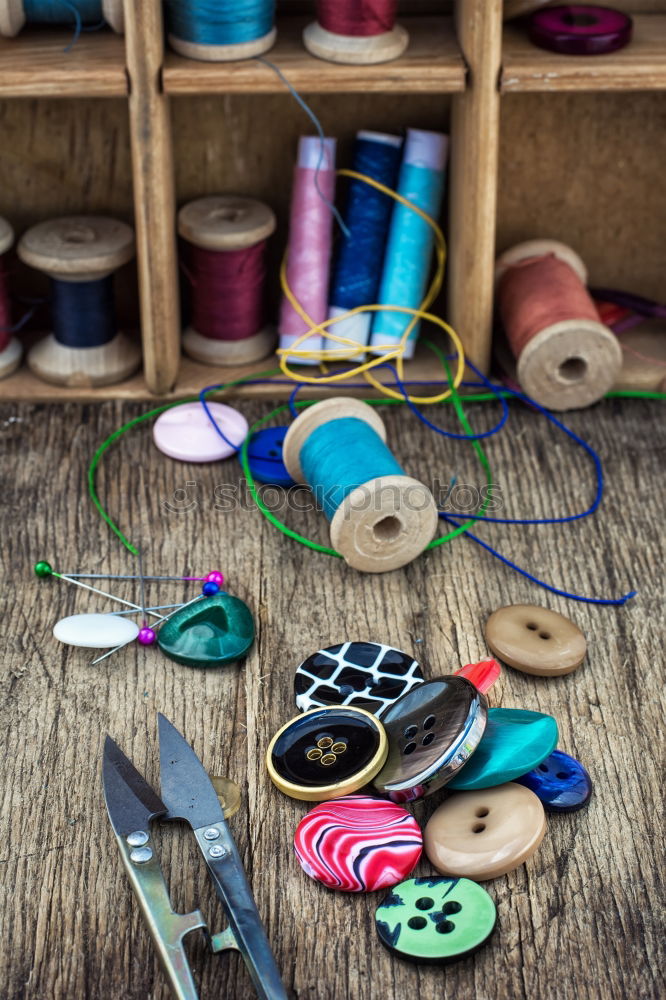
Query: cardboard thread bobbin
point(385, 522)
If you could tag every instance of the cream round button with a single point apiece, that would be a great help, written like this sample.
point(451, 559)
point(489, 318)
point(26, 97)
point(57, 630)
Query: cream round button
point(484, 834)
point(535, 640)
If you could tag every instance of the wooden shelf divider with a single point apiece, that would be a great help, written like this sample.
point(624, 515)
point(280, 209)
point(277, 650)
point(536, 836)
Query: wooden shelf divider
point(473, 182)
point(154, 196)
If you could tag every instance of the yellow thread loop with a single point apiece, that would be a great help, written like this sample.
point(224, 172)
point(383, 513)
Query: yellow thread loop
point(389, 352)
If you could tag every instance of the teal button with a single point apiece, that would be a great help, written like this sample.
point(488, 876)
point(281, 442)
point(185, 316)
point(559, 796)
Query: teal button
point(210, 633)
point(515, 741)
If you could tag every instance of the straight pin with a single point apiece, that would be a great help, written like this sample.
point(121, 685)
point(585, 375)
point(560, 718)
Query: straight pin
point(102, 593)
point(160, 620)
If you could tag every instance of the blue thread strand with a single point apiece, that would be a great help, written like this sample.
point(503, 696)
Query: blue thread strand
point(500, 392)
point(220, 22)
point(534, 579)
point(357, 270)
point(320, 132)
point(83, 313)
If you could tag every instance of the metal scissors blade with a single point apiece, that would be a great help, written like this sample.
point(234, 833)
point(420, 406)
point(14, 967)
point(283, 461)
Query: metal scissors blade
point(132, 804)
point(188, 793)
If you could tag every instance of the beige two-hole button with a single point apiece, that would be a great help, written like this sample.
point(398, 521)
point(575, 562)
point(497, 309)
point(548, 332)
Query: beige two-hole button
point(486, 833)
point(535, 640)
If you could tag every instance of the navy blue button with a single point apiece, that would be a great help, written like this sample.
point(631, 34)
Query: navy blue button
point(560, 781)
point(264, 455)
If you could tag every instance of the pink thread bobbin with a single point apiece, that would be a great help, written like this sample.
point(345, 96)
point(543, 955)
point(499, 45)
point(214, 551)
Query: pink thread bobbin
point(310, 243)
point(10, 349)
point(565, 357)
point(224, 260)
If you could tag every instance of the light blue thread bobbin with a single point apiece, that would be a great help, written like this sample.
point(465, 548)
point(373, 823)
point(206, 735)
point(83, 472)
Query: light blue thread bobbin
point(410, 240)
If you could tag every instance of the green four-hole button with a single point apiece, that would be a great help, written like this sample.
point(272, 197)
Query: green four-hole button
point(435, 919)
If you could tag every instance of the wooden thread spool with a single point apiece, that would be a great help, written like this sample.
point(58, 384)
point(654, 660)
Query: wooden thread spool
point(13, 19)
point(10, 348)
point(571, 361)
point(223, 223)
point(384, 521)
point(79, 249)
point(222, 50)
point(361, 50)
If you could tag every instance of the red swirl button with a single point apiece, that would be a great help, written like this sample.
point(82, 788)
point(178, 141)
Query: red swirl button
point(358, 843)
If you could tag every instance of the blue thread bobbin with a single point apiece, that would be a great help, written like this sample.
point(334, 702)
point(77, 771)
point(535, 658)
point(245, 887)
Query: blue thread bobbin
point(221, 30)
point(14, 14)
point(380, 518)
point(10, 354)
point(356, 273)
point(80, 254)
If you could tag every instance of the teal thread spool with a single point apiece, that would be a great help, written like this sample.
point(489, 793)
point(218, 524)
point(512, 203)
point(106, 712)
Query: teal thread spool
point(410, 240)
point(221, 30)
point(14, 14)
point(380, 517)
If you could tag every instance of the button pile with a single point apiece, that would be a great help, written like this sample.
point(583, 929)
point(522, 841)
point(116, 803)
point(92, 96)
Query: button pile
point(371, 718)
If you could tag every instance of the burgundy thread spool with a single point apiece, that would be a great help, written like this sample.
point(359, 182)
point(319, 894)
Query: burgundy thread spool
point(565, 357)
point(10, 348)
point(224, 260)
point(359, 32)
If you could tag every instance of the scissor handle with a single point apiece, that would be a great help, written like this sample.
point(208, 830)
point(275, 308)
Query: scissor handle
point(167, 928)
point(225, 866)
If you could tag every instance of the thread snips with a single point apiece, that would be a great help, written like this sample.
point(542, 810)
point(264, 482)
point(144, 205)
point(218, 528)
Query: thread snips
point(186, 793)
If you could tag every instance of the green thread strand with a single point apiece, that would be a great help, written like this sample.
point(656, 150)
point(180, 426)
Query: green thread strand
point(455, 400)
point(112, 438)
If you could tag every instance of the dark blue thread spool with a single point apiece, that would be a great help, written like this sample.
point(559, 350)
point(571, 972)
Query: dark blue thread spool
point(80, 254)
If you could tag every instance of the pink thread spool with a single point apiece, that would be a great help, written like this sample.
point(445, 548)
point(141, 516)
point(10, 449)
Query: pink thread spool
point(310, 243)
point(10, 348)
point(566, 358)
point(225, 262)
point(358, 32)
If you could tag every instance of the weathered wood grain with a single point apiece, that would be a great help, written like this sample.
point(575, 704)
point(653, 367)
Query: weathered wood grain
point(581, 920)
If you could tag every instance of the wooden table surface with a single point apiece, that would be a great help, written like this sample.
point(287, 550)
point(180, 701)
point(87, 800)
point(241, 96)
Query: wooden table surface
point(581, 919)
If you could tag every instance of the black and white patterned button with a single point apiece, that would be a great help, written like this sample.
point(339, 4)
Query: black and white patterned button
point(365, 675)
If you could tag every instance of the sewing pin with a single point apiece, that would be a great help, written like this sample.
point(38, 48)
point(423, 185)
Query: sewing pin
point(160, 621)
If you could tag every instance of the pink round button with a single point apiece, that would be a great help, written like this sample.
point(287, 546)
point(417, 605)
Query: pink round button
point(186, 433)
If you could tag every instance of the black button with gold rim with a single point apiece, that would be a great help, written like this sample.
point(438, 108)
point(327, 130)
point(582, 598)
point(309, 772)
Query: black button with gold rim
point(326, 753)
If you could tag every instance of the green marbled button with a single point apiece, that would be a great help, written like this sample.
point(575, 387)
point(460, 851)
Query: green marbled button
point(210, 633)
point(435, 919)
